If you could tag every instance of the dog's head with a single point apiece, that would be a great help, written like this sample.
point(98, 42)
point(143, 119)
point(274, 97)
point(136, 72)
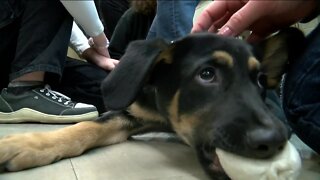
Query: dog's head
point(212, 90)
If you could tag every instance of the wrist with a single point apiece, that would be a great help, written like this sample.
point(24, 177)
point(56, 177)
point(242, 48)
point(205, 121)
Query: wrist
point(86, 54)
point(100, 41)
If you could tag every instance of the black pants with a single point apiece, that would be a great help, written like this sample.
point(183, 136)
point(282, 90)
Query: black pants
point(36, 39)
point(81, 82)
point(110, 12)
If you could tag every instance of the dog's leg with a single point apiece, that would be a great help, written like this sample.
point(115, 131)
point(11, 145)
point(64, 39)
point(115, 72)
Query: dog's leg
point(29, 150)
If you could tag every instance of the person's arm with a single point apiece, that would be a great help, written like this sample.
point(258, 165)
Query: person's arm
point(79, 43)
point(85, 13)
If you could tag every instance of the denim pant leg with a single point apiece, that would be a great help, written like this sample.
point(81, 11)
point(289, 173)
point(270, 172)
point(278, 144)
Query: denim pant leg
point(173, 19)
point(8, 42)
point(301, 93)
point(42, 38)
point(9, 11)
point(81, 82)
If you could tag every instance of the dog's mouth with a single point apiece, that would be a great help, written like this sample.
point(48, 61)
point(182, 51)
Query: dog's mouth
point(215, 164)
point(211, 164)
point(223, 165)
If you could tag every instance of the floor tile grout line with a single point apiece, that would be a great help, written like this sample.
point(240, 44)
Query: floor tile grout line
point(73, 169)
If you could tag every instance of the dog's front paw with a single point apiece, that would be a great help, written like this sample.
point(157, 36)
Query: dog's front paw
point(18, 152)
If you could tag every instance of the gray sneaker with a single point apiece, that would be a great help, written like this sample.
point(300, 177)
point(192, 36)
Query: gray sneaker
point(42, 104)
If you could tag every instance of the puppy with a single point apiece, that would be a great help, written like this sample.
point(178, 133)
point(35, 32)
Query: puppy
point(208, 89)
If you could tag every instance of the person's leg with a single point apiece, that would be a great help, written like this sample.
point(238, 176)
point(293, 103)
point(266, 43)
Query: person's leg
point(43, 38)
point(301, 93)
point(43, 35)
point(9, 30)
point(173, 19)
point(8, 35)
point(81, 81)
point(110, 12)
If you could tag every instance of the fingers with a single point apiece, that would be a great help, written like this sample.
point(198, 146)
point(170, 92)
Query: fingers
point(234, 17)
point(107, 63)
point(115, 62)
point(242, 19)
point(94, 56)
point(219, 23)
point(215, 11)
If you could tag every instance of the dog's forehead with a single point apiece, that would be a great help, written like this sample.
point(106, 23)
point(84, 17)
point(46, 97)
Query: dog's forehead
point(224, 50)
point(204, 43)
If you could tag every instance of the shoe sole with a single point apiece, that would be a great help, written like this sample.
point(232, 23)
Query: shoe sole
point(29, 115)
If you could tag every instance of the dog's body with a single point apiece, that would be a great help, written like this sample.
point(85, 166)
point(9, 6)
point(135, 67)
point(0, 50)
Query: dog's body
point(206, 88)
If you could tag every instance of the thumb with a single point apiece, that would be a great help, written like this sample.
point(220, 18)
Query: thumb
point(241, 20)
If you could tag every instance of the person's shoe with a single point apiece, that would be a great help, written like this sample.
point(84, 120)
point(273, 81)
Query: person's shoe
point(42, 104)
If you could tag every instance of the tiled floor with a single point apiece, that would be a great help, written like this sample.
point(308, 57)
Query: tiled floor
point(157, 159)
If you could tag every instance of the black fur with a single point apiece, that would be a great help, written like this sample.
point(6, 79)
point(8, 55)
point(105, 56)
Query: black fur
point(219, 104)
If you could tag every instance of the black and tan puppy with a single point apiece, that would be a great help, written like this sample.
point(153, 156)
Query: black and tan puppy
point(206, 88)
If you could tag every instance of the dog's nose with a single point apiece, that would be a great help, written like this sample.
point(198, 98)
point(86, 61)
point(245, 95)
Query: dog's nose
point(264, 142)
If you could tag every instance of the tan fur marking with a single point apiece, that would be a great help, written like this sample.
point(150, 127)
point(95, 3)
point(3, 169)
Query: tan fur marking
point(139, 112)
point(35, 149)
point(184, 124)
point(96, 134)
point(253, 64)
point(166, 56)
point(223, 58)
point(273, 83)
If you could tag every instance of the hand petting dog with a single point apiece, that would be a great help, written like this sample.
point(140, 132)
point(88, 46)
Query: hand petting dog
point(231, 18)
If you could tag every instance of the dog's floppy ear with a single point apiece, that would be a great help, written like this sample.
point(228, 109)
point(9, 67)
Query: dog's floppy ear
point(277, 51)
point(120, 87)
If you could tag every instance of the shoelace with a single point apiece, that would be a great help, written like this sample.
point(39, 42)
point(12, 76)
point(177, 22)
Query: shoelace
point(56, 95)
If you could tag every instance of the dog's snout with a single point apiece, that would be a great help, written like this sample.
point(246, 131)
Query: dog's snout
point(264, 143)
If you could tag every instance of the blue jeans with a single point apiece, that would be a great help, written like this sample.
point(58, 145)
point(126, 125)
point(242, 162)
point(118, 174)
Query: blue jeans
point(301, 93)
point(173, 19)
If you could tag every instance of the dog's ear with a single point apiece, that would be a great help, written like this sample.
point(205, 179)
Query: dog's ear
point(277, 51)
point(120, 87)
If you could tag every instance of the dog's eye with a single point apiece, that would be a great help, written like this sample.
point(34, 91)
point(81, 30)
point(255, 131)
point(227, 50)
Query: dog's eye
point(207, 75)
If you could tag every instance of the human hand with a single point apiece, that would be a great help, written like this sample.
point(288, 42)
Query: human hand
point(92, 55)
point(231, 18)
